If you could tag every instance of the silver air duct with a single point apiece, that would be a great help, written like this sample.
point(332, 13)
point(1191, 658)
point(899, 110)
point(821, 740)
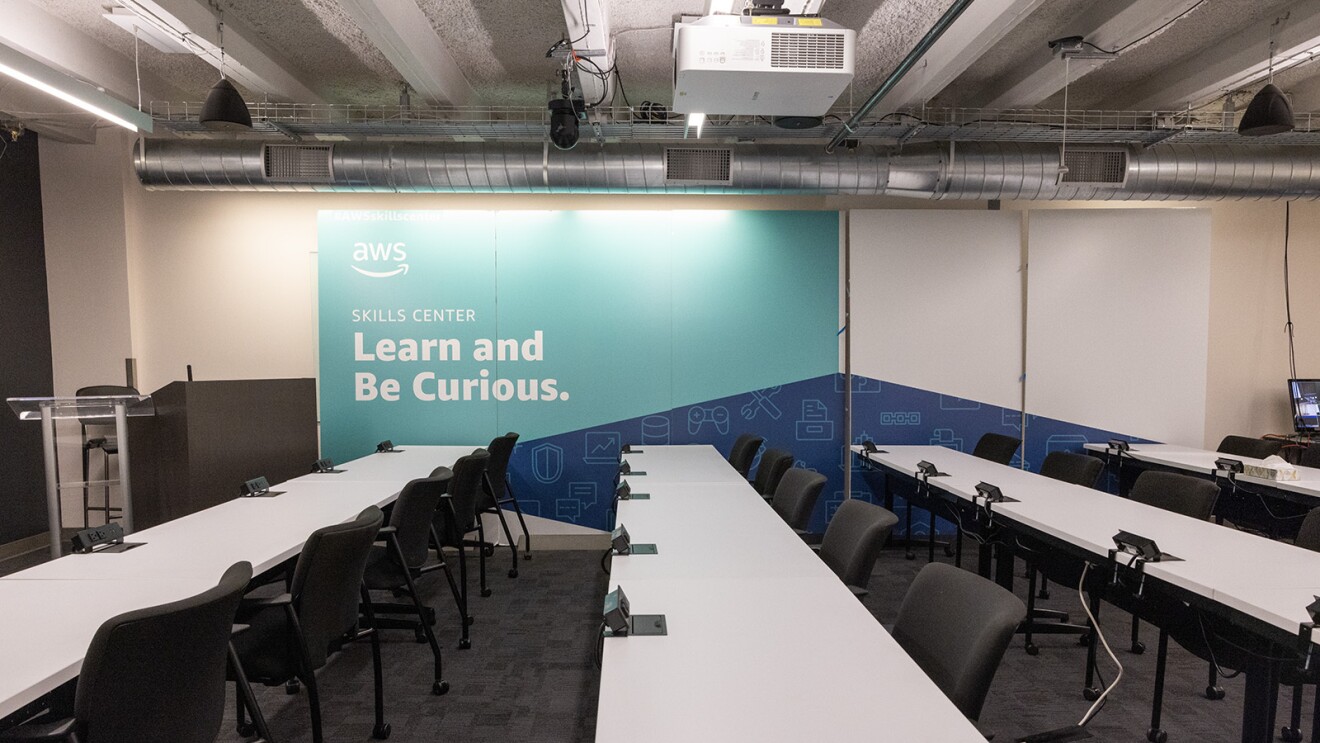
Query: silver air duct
point(971, 170)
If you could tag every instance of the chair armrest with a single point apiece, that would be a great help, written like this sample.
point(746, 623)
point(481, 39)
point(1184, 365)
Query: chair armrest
point(284, 599)
point(60, 730)
point(238, 629)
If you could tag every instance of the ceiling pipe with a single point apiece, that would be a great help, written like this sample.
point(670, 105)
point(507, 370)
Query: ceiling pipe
point(966, 171)
point(914, 56)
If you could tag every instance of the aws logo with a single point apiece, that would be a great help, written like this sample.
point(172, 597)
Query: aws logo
point(376, 253)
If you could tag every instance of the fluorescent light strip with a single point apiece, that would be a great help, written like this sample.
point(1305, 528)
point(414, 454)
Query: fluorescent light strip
point(66, 97)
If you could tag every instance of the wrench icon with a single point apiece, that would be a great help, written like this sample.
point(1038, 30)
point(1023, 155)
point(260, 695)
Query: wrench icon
point(761, 401)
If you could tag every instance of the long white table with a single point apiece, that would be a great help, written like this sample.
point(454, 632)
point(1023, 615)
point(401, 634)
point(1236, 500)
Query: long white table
point(764, 643)
point(52, 610)
point(1258, 578)
point(1202, 462)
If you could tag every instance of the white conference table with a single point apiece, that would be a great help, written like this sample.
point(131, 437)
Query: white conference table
point(1202, 462)
point(75, 594)
point(1264, 579)
point(765, 642)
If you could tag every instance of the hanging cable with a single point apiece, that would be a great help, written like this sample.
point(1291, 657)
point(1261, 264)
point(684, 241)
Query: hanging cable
point(1287, 290)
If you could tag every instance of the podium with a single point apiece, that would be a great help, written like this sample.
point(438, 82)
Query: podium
point(50, 409)
point(209, 437)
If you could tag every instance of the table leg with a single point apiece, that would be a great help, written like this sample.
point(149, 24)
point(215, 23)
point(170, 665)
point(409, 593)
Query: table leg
point(1259, 700)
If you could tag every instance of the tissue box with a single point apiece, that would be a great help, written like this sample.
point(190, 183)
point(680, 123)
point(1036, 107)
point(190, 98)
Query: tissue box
point(1274, 468)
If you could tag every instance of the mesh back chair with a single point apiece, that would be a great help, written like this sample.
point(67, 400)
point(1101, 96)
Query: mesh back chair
point(956, 625)
point(1308, 537)
point(396, 565)
point(496, 493)
point(996, 447)
point(1075, 469)
point(774, 463)
point(456, 518)
point(291, 636)
point(154, 675)
point(107, 444)
point(1194, 498)
point(796, 496)
point(744, 451)
point(1310, 456)
point(853, 541)
point(1245, 446)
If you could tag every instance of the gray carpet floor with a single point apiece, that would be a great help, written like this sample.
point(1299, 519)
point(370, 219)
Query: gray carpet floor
point(530, 674)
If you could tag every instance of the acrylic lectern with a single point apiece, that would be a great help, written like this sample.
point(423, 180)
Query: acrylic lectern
point(109, 407)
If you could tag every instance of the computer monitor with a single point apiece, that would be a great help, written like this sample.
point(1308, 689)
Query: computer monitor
point(1305, 394)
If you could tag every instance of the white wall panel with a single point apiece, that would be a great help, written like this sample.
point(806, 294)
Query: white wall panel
point(936, 301)
point(1118, 320)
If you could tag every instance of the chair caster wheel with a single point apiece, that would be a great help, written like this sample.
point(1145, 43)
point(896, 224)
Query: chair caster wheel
point(1090, 693)
point(464, 644)
point(292, 687)
point(948, 550)
point(909, 556)
point(1215, 693)
point(1290, 735)
point(1084, 639)
point(1033, 650)
point(248, 730)
point(1155, 735)
point(485, 593)
point(489, 550)
point(1043, 595)
point(468, 620)
point(1138, 648)
point(527, 556)
point(513, 573)
point(381, 731)
point(419, 636)
point(440, 688)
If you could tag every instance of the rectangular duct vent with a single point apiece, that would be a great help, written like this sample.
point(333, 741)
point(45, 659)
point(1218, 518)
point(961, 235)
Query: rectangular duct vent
point(807, 51)
point(699, 165)
point(1102, 167)
point(297, 163)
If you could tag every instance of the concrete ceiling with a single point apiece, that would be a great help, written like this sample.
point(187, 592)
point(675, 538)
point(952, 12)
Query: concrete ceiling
point(322, 51)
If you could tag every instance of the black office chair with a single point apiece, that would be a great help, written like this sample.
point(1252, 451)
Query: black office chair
point(456, 518)
point(106, 443)
point(397, 564)
point(796, 497)
point(1042, 563)
point(744, 451)
point(154, 675)
point(1308, 537)
point(1245, 446)
point(853, 541)
point(956, 625)
point(996, 447)
point(774, 463)
point(291, 636)
point(495, 493)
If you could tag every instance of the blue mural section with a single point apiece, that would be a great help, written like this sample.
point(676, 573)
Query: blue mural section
point(570, 476)
point(897, 415)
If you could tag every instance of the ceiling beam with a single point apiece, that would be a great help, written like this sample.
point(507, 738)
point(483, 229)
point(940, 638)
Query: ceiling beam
point(1109, 25)
point(1231, 64)
point(249, 61)
point(39, 35)
point(402, 32)
point(979, 28)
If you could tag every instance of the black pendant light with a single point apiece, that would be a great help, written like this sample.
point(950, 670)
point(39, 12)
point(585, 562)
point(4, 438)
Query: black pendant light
point(1268, 113)
point(224, 107)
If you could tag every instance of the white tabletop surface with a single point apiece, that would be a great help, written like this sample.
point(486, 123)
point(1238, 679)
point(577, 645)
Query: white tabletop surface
point(765, 642)
point(411, 462)
point(692, 463)
point(1247, 572)
point(1202, 461)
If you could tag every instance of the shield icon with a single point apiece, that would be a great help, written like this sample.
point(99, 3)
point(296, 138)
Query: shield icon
point(547, 463)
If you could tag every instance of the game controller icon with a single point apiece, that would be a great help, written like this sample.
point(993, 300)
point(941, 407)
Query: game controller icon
point(716, 416)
